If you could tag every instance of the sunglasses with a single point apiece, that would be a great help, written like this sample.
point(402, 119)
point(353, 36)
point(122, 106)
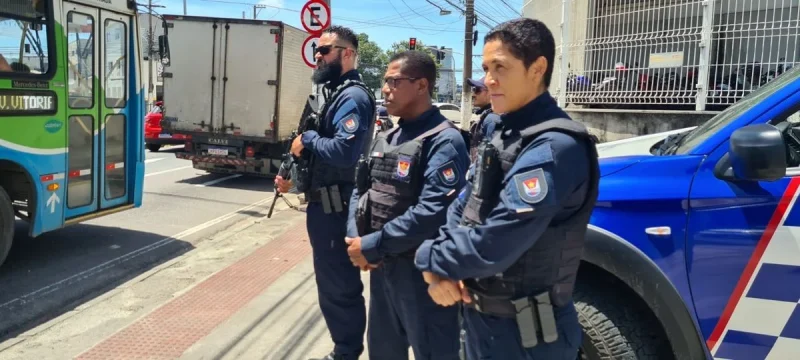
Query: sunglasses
point(477, 90)
point(326, 49)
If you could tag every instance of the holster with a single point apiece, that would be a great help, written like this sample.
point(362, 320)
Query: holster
point(363, 215)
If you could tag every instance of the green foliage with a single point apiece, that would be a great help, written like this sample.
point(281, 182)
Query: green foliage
point(372, 62)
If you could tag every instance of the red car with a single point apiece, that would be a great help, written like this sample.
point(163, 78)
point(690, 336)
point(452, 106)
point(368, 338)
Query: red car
point(154, 136)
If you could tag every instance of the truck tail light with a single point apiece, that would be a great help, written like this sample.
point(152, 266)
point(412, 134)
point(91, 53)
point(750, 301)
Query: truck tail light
point(248, 152)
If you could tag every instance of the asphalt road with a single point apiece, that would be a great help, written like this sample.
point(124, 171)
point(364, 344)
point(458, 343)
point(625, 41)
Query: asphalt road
point(57, 272)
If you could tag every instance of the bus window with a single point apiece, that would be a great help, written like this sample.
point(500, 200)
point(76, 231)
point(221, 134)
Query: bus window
point(24, 37)
point(80, 60)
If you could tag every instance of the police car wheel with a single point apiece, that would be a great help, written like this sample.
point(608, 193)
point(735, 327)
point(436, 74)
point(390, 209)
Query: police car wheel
point(6, 224)
point(617, 325)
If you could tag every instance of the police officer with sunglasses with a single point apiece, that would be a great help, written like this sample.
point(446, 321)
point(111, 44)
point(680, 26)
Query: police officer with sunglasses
point(345, 128)
point(486, 118)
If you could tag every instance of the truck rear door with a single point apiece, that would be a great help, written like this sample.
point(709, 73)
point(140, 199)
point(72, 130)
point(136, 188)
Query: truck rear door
point(191, 80)
point(250, 77)
point(223, 75)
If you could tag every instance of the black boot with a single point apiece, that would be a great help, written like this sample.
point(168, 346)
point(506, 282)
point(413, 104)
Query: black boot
point(331, 356)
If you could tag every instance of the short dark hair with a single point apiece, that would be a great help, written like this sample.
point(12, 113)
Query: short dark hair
point(344, 34)
point(527, 39)
point(417, 64)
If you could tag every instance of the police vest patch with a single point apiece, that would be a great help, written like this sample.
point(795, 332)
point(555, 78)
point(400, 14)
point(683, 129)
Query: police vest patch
point(531, 186)
point(447, 173)
point(403, 168)
point(351, 123)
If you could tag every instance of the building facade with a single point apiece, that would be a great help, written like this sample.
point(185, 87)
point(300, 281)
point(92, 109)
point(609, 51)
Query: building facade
point(631, 67)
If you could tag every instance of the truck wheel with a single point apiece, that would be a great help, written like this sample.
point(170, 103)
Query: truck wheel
point(153, 147)
point(6, 224)
point(616, 325)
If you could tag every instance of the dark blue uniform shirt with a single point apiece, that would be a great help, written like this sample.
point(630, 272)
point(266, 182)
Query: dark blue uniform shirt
point(558, 161)
point(441, 153)
point(348, 120)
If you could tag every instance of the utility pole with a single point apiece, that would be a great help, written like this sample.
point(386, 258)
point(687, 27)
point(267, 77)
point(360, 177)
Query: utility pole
point(184, 7)
point(466, 94)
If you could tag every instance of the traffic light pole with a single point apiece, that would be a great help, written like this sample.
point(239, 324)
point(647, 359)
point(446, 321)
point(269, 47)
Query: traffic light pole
point(466, 94)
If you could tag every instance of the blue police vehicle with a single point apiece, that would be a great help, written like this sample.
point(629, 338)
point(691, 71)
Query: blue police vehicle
point(693, 251)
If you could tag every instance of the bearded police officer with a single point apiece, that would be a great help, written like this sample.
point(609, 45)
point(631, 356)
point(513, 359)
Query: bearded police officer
point(344, 130)
point(487, 120)
point(413, 173)
point(513, 240)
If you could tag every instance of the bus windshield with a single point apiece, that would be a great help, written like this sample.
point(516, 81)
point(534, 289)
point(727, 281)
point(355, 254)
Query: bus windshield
point(23, 37)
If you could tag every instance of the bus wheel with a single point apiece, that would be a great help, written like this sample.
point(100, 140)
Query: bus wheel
point(6, 224)
point(617, 324)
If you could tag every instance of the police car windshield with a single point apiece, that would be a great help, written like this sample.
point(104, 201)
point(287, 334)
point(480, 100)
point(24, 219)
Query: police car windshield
point(702, 132)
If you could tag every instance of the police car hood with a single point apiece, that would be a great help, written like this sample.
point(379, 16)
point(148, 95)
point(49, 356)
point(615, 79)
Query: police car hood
point(618, 155)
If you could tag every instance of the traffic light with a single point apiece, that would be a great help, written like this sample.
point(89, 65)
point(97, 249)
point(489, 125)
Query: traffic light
point(412, 43)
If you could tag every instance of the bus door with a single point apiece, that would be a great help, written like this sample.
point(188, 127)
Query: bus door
point(97, 61)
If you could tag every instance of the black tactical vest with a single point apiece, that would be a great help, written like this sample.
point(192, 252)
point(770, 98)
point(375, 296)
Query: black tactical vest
point(396, 175)
point(552, 263)
point(476, 133)
point(324, 174)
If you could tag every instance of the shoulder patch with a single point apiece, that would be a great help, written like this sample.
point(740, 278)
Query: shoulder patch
point(531, 186)
point(350, 123)
point(448, 173)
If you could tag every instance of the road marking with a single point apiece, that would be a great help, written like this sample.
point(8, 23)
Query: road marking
point(167, 171)
point(153, 160)
point(110, 263)
point(217, 181)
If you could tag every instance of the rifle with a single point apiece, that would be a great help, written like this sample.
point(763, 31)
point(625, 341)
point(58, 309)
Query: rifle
point(308, 121)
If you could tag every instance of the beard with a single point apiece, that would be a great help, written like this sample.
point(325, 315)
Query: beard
point(327, 72)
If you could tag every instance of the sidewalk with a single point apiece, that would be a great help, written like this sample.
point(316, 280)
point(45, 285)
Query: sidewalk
point(261, 304)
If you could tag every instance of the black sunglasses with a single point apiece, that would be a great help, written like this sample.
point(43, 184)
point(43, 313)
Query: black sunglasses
point(326, 49)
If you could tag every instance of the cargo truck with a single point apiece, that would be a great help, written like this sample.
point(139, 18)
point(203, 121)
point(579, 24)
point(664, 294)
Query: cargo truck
point(235, 88)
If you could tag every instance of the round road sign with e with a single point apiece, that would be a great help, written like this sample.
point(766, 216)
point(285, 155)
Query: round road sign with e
point(315, 16)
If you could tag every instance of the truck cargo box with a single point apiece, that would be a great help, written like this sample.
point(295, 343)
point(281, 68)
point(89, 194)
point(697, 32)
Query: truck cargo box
point(234, 78)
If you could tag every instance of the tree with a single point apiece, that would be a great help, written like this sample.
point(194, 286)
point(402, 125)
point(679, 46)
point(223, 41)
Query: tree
point(403, 46)
point(371, 62)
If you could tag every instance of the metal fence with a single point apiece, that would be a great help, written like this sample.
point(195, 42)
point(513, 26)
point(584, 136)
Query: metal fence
point(668, 54)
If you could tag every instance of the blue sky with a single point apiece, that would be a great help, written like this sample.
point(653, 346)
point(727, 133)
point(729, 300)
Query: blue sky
point(386, 21)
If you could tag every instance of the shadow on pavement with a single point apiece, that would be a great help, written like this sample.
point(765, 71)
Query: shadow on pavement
point(53, 274)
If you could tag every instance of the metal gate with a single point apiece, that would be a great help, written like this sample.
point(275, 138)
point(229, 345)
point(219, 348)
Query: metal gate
point(668, 54)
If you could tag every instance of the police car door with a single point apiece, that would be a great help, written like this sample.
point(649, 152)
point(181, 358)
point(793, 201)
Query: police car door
point(743, 241)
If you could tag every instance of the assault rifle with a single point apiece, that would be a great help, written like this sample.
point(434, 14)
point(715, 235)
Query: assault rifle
point(308, 121)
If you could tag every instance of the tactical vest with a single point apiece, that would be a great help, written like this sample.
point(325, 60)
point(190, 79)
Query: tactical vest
point(477, 134)
point(324, 174)
point(396, 175)
point(552, 263)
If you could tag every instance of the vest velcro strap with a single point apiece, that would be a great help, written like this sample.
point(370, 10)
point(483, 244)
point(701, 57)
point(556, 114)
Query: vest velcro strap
point(437, 129)
point(563, 124)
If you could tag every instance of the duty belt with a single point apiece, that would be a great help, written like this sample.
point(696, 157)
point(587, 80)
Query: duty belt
point(534, 315)
point(330, 197)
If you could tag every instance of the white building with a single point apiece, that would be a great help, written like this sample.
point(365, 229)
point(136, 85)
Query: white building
point(446, 83)
point(643, 58)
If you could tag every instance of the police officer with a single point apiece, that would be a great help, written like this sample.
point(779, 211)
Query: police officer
point(345, 130)
point(510, 250)
point(479, 129)
point(413, 174)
